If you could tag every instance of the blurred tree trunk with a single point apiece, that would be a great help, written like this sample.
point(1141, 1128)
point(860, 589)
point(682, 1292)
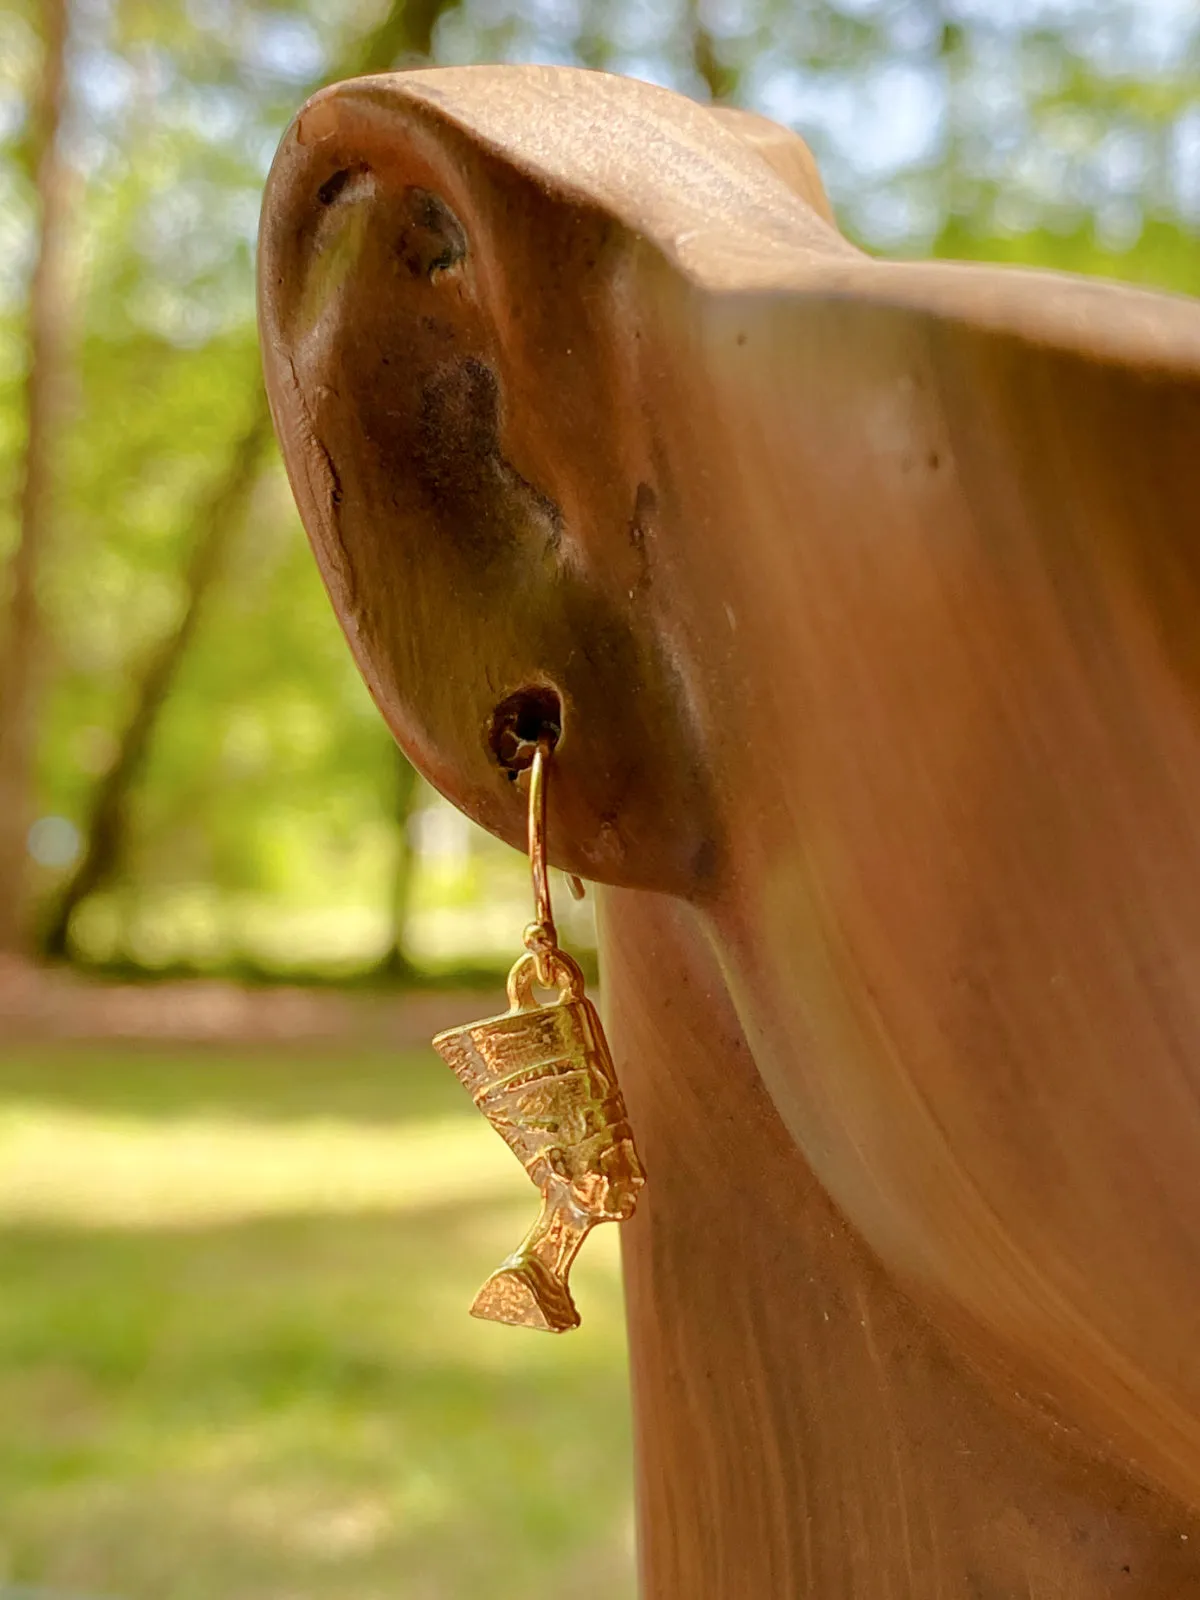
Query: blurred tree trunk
point(106, 827)
point(718, 78)
point(404, 33)
point(23, 649)
point(396, 964)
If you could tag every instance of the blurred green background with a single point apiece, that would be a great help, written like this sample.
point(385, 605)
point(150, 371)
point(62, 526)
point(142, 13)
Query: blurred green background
point(234, 1359)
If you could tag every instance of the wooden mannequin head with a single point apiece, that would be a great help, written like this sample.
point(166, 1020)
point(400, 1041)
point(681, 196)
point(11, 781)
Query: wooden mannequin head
point(864, 595)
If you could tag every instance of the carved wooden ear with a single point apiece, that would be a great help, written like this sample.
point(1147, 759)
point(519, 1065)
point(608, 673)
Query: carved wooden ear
point(452, 308)
point(448, 348)
point(784, 151)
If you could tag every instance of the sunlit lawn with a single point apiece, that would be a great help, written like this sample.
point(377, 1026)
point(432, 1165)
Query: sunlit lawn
point(235, 1360)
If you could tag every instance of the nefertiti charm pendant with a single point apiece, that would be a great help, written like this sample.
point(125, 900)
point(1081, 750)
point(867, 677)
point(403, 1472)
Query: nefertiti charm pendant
point(544, 1078)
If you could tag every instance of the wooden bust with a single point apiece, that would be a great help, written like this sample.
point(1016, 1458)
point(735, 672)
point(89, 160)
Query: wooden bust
point(867, 598)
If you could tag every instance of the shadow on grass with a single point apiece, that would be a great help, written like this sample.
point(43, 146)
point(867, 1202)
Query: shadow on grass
point(272, 1082)
point(302, 1408)
point(221, 1381)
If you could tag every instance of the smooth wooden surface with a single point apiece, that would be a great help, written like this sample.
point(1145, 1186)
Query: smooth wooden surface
point(802, 1428)
point(870, 591)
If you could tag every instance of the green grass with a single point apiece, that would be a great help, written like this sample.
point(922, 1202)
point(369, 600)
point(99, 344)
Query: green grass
point(235, 1359)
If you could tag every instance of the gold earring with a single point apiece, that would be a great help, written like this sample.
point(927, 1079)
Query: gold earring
point(543, 1077)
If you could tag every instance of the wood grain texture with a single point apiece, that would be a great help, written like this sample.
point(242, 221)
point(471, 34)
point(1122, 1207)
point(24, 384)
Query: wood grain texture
point(802, 1429)
point(869, 591)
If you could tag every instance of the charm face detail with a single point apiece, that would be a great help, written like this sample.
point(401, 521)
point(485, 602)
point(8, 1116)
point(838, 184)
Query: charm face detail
point(544, 1078)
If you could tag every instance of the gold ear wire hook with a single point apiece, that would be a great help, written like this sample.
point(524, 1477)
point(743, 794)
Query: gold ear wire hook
point(541, 936)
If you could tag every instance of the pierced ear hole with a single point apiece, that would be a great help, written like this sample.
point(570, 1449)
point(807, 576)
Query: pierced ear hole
point(519, 724)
